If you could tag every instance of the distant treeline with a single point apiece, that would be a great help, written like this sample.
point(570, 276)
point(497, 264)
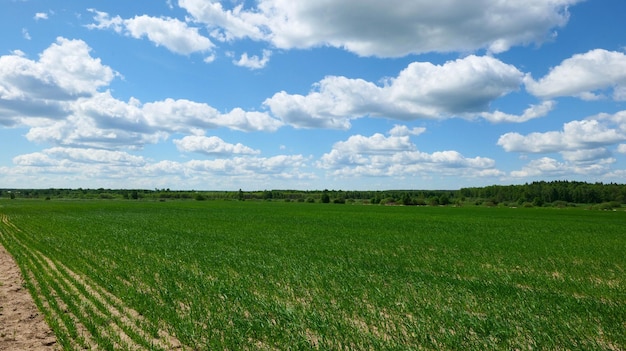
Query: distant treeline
point(560, 193)
point(540, 193)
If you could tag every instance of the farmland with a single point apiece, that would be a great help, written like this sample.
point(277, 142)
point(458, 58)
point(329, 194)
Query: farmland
point(206, 275)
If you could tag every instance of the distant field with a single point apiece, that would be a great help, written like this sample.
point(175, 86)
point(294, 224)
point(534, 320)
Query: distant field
point(209, 275)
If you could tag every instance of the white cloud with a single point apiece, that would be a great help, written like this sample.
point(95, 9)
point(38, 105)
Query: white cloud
point(226, 25)
point(464, 87)
point(25, 34)
point(375, 144)
point(40, 16)
point(586, 155)
point(576, 135)
point(70, 65)
point(549, 167)
point(541, 167)
point(98, 121)
point(64, 72)
point(209, 59)
point(34, 159)
point(84, 155)
point(534, 111)
point(583, 146)
point(281, 166)
point(617, 119)
point(171, 33)
point(389, 29)
point(212, 146)
point(185, 116)
point(586, 76)
point(58, 97)
point(402, 130)
point(79, 167)
point(254, 62)
point(78, 161)
point(101, 121)
point(621, 148)
point(104, 21)
point(397, 156)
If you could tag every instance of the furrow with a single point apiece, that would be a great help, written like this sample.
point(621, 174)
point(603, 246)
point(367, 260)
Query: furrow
point(130, 318)
point(64, 308)
point(43, 295)
point(54, 319)
point(92, 309)
point(83, 314)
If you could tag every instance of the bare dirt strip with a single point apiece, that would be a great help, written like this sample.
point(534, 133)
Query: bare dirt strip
point(22, 327)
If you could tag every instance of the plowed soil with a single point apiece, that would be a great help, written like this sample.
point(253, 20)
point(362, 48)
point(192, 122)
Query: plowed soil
point(22, 327)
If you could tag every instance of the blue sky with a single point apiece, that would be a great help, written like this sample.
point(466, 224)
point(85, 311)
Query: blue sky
point(281, 94)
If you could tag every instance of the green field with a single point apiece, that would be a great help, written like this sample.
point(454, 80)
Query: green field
point(253, 275)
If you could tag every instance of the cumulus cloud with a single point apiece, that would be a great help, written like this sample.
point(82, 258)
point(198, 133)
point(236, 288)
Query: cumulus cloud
point(576, 135)
point(587, 76)
point(80, 166)
point(85, 155)
point(189, 116)
point(64, 72)
point(212, 146)
point(402, 130)
point(254, 62)
point(76, 162)
point(225, 24)
point(534, 111)
point(550, 167)
point(583, 145)
point(101, 121)
point(464, 87)
point(395, 155)
point(171, 33)
point(387, 29)
point(586, 155)
point(250, 166)
point(62, 99)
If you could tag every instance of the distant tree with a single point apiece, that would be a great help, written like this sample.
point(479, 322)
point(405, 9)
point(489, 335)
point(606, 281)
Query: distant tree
point(406, 200)
point(325, 197)
point(444, 200)
point(240, 195)
point(420, 201)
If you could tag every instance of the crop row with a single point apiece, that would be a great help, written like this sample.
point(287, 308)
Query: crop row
point(82, 314)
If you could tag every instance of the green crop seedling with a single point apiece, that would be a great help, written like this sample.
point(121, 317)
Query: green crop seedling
point(206, 275)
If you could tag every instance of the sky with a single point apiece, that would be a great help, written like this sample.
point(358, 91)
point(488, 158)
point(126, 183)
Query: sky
point(311, 95)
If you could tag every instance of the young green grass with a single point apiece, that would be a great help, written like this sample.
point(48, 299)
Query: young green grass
point(274, 275)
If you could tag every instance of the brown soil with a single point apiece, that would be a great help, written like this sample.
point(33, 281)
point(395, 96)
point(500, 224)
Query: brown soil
point(22, 327)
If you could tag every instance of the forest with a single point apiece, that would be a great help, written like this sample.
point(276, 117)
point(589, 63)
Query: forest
point(541, 193)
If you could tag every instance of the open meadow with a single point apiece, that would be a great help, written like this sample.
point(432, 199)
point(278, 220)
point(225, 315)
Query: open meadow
point(261, 275)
